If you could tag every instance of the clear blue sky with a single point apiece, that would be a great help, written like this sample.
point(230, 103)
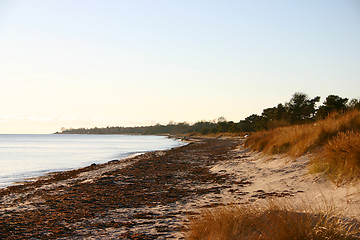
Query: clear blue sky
point(86, 63)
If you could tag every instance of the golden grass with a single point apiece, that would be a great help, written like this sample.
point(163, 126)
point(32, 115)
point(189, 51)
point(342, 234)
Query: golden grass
point(300, 139)
point(340, 157)
point(273, 222)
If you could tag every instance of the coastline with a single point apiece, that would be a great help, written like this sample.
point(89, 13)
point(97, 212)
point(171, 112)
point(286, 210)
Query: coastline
point(140, 198)
point(151, 196)
point(24, 157)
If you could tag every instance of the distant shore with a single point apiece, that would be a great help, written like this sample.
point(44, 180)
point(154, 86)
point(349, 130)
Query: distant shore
point(151, 196)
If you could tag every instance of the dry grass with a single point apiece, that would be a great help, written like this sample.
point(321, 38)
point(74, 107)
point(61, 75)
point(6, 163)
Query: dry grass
point(340, 157)
point(336, 139)
point(274, 222)
point(297, 140)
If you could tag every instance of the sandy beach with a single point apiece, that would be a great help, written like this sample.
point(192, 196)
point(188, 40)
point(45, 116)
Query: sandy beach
point(151, 196)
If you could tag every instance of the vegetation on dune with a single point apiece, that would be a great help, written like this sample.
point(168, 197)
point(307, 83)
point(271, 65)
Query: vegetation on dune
point(273, 222)
point(334, 142)
point(299, 139)
point(340, 158)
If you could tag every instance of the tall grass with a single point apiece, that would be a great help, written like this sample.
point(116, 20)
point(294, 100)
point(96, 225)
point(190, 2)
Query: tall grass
point(274, 222)
point(299, 139)
point(340, 157)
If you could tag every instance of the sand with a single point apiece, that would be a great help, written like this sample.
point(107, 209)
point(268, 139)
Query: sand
point(151, 196)
point(279, 176)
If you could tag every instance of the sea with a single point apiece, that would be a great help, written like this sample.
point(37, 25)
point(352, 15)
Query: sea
point(26, 156)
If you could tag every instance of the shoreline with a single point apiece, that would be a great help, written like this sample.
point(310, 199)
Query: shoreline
point(30, 158)
point(119, 196)
point(151, 196)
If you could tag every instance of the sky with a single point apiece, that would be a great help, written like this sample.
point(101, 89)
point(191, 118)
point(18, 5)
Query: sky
point(87, 63)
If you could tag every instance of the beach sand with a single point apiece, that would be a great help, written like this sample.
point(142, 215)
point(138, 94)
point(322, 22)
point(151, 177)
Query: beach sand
point(151, 196)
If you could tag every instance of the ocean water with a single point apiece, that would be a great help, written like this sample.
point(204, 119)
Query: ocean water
point(24, 156)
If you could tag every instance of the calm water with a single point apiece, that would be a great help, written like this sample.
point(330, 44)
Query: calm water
point(24, 156)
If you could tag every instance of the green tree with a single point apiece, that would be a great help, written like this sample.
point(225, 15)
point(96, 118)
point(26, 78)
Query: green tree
point(301, 109)
point(332, 103)
point(252, 123)
point(275, 116)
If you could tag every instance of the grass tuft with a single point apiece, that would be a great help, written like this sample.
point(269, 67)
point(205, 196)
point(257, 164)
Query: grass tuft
point(274, 222)
point(340, 158)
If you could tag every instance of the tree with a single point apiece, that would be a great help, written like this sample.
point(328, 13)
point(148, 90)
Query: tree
point(301, 109)
point(332, 103)
point(275, 116)
point(252, 123)
point(221, 119)
point(354, 104)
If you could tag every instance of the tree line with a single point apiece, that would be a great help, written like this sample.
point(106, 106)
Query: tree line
point(299, 110)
